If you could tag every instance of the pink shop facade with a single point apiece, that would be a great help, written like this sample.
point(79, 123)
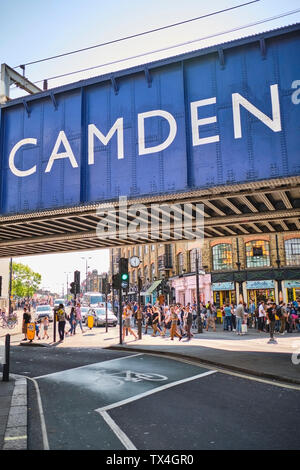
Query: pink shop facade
point(185, 290)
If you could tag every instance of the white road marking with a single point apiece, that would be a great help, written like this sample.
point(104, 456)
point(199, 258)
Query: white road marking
point(15, 438)
point(42, 417)
point(117, 430)
point(92, 363)
point(154, 390)
point(223, 370)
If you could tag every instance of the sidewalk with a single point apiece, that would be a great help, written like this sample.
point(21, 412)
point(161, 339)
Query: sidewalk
point(249, 354)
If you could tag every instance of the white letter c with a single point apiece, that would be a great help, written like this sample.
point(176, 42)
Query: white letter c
point(12, 154)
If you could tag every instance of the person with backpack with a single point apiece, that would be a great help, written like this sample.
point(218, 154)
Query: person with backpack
point(270, 314)
point(61, 316)
point(188, 321)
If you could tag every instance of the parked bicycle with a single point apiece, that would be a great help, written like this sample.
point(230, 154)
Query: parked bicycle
point(9, 321)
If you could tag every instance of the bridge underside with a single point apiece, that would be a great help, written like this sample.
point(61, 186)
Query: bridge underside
point(251, 208)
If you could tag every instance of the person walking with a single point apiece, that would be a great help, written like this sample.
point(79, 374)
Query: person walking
point(155, 321)
point(270, 314)
point(78, 317)
point(227, 318)
point(210, 317)
point(188, 320)
point(148, 319)
point(261, 317)
point(233, 317)
point(282, 317)
point(61, 316)
point(26, 320)
point(72, 321)
point(174, 321)
point(239, 313)
point(45, 327)
point(127, 313)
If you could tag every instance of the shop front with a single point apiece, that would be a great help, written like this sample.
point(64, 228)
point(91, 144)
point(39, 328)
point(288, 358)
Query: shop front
point(292, 290)
point(185, 289)
point(259, 291)
point(223, 292)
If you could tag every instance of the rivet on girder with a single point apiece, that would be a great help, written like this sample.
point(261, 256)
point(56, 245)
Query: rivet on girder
point(27, 109)
point(221, 58)
point(115, 85)
point(263, 48)
point(148, 77)
point(53, 99)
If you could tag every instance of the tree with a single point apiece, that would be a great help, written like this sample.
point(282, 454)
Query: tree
point(25, 282)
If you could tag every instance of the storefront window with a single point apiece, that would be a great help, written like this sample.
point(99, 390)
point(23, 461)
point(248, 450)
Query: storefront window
point(257, 254)
point(222, 256)
point(292, 251)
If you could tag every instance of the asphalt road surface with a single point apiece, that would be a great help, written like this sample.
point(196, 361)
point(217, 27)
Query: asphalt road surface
point(87, 399)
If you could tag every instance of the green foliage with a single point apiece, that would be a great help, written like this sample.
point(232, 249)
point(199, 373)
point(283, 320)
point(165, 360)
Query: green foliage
point(25, 282)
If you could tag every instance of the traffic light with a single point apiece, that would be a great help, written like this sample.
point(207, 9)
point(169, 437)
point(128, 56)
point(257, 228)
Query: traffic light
point(116, 281)
point(123, 271)
point(77, 281)
point(73, 288)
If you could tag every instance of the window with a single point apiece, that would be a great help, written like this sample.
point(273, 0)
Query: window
point(152, 247)
point(292, 251)
point(152, 271)
point(257, 254)
point(146, 273)
point(146, 249)
point(192, 259)
point(180, 263)
point(222, 256)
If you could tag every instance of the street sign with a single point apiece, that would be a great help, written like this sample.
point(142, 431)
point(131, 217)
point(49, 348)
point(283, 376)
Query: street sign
point(224, 115)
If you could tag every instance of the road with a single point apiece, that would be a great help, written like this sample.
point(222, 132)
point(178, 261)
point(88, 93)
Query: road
point(95, 399)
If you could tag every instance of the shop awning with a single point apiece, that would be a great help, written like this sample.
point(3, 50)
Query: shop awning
point(153, 287)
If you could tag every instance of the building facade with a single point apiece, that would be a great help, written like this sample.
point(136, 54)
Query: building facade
point(93, 282)
point(167, 271)
point(254, 267)
point(251, 267)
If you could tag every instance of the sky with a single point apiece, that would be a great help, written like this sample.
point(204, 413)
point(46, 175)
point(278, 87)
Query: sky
point(35, 30)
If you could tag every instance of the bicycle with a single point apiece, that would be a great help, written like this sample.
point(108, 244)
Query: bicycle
point(8, 322)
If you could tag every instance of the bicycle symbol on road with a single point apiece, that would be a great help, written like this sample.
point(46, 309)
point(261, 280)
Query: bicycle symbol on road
point(109, 378)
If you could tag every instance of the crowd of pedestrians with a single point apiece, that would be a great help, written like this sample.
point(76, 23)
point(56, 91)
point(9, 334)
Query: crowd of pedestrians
point(74, 318)
point(179, 321)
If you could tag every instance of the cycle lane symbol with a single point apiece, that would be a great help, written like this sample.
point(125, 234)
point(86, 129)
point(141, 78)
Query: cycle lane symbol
point(97, 388)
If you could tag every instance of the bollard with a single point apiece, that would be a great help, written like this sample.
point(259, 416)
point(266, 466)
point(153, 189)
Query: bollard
point(7, 355)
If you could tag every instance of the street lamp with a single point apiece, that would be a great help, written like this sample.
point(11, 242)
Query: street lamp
point(199, 320)
point(86, 270)
point(67, 273)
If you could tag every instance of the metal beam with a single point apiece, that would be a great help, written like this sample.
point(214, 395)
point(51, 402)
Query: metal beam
point(235, 209)
point(213, 207)
point(264, 198)
point(10, 76)
point(285, 199)
point(248, 203)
